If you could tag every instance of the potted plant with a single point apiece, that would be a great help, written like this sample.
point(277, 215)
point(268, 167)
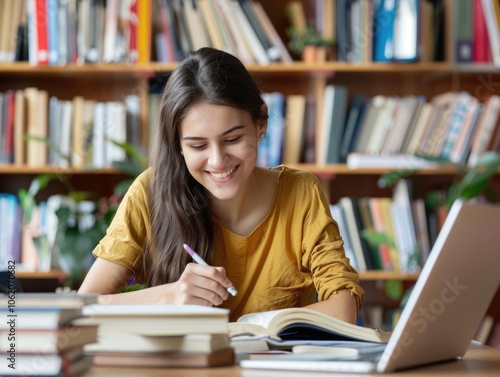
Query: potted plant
point(82, 218)
point(309, 43)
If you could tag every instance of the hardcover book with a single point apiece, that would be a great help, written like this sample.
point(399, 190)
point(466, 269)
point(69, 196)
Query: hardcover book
point(301, 324)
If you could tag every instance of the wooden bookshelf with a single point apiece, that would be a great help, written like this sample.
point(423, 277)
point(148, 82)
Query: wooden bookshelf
point(53, 274)
point(388, 275)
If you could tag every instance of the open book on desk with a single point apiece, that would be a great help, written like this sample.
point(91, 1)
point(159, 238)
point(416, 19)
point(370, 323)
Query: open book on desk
point(293, 326)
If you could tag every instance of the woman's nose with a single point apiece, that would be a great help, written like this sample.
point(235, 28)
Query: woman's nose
point(217, 156)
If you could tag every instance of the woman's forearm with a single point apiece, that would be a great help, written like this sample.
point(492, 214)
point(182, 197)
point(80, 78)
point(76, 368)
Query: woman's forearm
point(341, 305)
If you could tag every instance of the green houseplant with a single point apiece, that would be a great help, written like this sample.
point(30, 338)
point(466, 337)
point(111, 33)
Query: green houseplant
point(82, 219)
point(308, 43)
point(468, 184)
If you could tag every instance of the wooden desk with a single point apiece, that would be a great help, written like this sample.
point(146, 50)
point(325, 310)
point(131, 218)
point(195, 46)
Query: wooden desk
point(478, 361)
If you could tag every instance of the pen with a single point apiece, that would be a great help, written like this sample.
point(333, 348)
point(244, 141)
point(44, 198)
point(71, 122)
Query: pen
point(199, 260)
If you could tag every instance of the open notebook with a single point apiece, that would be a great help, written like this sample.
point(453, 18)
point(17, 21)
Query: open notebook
point(449, 299)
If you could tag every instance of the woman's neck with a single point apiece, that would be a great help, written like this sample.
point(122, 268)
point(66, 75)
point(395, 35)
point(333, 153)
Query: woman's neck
point(245, 212)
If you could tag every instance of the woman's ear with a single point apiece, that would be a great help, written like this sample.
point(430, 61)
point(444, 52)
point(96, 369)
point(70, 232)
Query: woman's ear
point(262, 124)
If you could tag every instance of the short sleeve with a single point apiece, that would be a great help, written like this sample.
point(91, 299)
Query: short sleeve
point(125, 237)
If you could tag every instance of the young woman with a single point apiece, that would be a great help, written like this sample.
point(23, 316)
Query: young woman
point(267, 231)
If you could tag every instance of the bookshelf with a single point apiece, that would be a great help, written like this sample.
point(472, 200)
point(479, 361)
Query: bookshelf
point(112, 82)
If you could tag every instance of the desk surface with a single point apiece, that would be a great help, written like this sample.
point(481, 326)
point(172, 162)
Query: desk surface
point(478, 361)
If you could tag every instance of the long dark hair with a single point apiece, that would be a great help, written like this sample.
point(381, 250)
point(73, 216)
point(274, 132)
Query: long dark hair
point(179, 205)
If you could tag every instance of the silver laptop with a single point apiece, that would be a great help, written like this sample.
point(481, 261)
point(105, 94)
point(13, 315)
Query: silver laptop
point(445, 308)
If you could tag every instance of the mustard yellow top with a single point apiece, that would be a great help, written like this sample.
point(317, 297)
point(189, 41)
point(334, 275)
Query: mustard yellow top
point(295, 252)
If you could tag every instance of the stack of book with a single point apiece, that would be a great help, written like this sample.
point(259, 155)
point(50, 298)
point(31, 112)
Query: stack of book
point(159, 336)
point(39, 336)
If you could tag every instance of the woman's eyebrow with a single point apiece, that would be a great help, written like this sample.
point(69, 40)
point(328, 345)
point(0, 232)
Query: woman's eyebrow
point(224, 133)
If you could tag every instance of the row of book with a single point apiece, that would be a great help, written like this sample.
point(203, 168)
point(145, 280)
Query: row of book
point(31, 245)
point(40, 336)
point(477, 31)
point(55, 32)
point(376, 31)
point(381, 131)
point(409, 230)
point(38, 129)
point(63, 334)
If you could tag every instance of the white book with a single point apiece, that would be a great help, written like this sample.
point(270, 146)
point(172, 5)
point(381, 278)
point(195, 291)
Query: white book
point(65, 131)
point(323, 134)
point(258, 51)
point(400, 162)
point(110, 31)
point(272, 33)
point(240, 43)
point(157, 320)
point(406, 28)
point(353, 232)
point(339, 216)
point(54, 129)
point(130, 342)
point(196, 28)
point(115, 131)
point(382, 125)
point(484, 129)
point(32, 32)
point(99, 135)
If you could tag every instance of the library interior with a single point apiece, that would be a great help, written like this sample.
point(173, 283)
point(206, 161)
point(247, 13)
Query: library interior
point(394, 105)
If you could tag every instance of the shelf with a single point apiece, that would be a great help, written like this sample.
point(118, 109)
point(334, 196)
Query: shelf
point(273, 68)
point(365, 276)
point(24, 169)
point(330, 170)
point(54, 274)
point(387, 275)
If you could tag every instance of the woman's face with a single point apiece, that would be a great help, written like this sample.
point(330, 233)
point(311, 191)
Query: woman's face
point(219, 144)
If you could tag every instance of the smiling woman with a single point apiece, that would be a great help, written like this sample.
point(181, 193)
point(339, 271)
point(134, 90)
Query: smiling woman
point(267, 231)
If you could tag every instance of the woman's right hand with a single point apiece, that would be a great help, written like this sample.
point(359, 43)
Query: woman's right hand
point(198, 285)
point(201, 285)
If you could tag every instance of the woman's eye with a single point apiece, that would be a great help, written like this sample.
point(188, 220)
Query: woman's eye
point(198, 146)
point(233, 140)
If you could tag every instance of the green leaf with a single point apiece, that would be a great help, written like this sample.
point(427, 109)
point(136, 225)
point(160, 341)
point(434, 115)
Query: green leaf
point(391, 178)
point(490, 158)
point(472, 184)
point(133, 153)
point(54, 148)
point(79, 196)
point(41, 181)
point(433, 199)
point(129, 167)
point(393, 289)
point(377, 239)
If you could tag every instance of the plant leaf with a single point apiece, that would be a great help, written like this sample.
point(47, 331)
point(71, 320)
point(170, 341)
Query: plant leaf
point(391, 178)
point(490, 158)
point(393, 289)
point(133, 153)
point(129, 167)
point(51, 146)
point(376, 239)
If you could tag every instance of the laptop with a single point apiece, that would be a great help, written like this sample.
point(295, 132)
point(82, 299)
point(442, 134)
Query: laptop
point(445, 308)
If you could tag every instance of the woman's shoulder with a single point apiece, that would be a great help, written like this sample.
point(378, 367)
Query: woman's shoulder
point(141, 182)
point(294, 175)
